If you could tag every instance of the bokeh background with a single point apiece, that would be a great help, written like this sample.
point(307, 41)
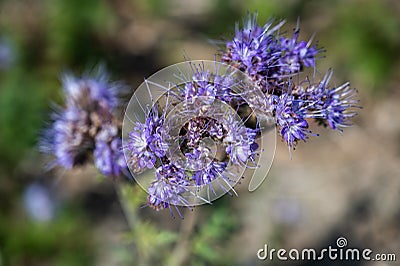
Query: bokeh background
point(335, 185)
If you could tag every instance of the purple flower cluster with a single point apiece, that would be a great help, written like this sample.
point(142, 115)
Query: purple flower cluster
point(203, 147)
point(87, 128)
point(202, 131)
point(272, 61)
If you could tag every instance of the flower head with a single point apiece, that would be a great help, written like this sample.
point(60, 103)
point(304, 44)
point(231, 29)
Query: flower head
point(295, 55)
point(208, 85)
point(252, 48)
point(291, 120)
point(145, 142)
point(272, 60)
point(240, 141)
point(171, 182)
point(194, 137)
point(267, 56)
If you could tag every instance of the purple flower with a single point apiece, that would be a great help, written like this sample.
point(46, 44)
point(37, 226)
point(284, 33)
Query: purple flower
point(296, 55)
point(337, 104)
point(208, 85)
point(210, 172)
point(266, 56)
point(171, 182)
point(87, 125)
point(333, 106)
point(139, 148)
point(252, 48)
point(271, 60)
point(239, 141)
point(290, 117)
point(145, 142)
point(91, 92)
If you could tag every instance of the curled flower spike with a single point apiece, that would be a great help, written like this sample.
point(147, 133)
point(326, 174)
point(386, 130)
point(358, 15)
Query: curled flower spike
point(338, 102)
point(87, 126)
point(272, 60)
point(192, 133)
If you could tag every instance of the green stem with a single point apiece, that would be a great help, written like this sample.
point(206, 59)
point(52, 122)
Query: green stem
point(132, 219)
point(182, 248)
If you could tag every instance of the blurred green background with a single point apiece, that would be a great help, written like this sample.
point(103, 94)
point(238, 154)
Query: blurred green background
point(337, 185)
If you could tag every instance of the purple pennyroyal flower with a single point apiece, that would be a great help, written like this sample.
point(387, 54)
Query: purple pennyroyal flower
point(333, 106)
point(171, 182)
point(208, 85)
point(290, 116)
point(329, 106)
point(266, 56)
point(336, 109)
point(87, 126)
point(270, 60)
point(296, 55)
point(252, 47)
point(145, 142)
point(138, 146)
point(7, 53)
